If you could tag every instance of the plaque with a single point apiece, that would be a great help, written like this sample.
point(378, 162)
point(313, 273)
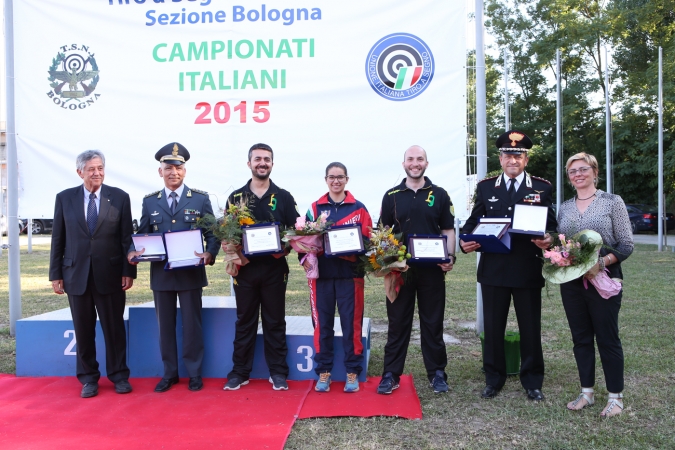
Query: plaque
point(153, 243)
point(261, 239)
point(428, 248)
point(529, 219)
point(181, 247)
point(343, 240)
point(491, 233)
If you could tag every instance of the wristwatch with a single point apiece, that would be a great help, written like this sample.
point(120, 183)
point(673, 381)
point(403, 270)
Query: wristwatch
point(454, 258)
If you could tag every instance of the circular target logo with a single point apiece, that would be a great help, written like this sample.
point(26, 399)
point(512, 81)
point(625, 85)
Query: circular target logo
point(400, 66)
point(73, 77)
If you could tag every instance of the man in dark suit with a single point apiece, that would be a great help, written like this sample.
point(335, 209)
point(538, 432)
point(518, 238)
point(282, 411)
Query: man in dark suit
point(516, 274)
point(91, 234)
point(175, 208)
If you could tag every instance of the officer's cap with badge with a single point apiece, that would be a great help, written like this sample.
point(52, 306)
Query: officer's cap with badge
point(173, 153)
point(514, 141)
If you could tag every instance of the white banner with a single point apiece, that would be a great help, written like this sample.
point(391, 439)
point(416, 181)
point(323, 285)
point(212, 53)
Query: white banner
point(319, 81)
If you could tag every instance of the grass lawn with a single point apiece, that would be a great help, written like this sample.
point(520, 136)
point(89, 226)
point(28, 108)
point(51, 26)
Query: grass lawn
point(461, 419)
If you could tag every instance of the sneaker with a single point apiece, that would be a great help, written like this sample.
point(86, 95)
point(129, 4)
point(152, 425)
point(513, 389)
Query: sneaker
point(387, 384)
point(323, 385)
point(234, 383)
point(438, 384)
point(279, 383)
point(352, 384)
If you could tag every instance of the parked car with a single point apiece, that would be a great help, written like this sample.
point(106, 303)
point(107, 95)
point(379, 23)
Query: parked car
point(645, 218)
point(3, 221)
point(40, 226)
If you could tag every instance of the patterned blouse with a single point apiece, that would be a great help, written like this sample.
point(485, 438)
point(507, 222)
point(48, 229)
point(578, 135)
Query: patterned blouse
point(608, 216)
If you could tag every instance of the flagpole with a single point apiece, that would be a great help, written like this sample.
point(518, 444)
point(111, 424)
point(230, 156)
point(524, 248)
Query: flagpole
point(661, 214)
point(558, 136)
point(608, 129)
point(507, 112)
point(14, 271)
point(481, 134)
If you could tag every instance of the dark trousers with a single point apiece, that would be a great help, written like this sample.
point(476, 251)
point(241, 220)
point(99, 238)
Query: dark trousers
point(428, 285)
point(193, 341)
point(260, 287)
point(110, 310)
point(347, 294)
point(589, 315)
point(527, 303)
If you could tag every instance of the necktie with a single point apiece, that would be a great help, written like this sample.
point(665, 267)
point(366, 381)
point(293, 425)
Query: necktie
point(512, 189)
point(173, 196)
point(92, 214)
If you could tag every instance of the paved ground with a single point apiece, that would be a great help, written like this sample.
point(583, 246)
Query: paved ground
point(653, 238)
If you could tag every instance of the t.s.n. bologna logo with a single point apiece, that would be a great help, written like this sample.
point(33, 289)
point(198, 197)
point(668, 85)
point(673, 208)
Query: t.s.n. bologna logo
point(73, 77)
point(400, 66)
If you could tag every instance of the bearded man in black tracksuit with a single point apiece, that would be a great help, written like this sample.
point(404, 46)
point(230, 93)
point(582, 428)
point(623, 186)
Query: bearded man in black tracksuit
point(260, 286)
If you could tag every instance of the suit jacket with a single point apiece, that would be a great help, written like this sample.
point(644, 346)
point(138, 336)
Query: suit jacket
point(522, 267)
point(156, 217)
point(74, 250)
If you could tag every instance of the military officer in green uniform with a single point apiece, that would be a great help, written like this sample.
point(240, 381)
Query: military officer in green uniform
point(177, 207)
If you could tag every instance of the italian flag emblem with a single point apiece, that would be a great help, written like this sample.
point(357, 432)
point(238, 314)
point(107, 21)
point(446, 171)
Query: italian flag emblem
point(407, 77)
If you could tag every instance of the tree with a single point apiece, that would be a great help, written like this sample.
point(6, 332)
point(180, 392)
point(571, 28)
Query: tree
point(532, 31)
point(642, 26)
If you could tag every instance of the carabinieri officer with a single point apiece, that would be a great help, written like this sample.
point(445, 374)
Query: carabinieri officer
point(174, 208)
point(261, 284)
point(417, 206)
point(516, 274)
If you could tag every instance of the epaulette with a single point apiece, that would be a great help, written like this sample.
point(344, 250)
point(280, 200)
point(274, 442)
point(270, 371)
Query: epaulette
point(489, 178)
point(540, 179)
point(199, 192)
point(152, 194)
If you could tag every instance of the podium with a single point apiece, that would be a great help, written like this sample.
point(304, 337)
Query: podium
point(46, 345)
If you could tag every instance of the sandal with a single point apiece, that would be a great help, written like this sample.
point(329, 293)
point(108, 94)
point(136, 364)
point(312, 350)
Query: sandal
point(614, 405)
point(583, 400)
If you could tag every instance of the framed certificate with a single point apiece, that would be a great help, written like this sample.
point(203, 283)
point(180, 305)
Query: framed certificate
point(153, 243)
point(343, 240)
point(181, 247)
point(261, 239)
point(428, 248)
point(491, 233)
point(529, 219)
point(492, 229)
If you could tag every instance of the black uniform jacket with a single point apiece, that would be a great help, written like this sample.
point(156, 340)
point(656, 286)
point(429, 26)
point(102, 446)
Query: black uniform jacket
point(427, 211)
point(156, 217)
point(522, 267)
point(276, 205)
point(74, 250)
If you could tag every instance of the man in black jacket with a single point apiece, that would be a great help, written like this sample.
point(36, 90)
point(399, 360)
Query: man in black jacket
point(417, 206)
point(516, 274)
point(91, 234)
point(260, 285)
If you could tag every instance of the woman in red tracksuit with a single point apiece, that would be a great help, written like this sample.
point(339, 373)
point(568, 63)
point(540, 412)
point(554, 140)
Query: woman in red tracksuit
point(340, 283)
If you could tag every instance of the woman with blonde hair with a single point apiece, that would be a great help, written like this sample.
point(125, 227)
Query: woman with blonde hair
point(590, 316)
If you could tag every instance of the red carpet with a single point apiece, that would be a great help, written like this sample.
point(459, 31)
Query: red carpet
point(403, 402)
point(48, 413)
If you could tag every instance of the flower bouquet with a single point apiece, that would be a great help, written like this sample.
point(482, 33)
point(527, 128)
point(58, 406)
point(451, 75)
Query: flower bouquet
point(386, 257)
point(227, 230)
point(570, 259)
point(305, 237)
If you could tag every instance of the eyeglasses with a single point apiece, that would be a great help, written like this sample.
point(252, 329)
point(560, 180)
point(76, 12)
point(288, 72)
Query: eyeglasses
point(340, 178)
point(581, 170)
